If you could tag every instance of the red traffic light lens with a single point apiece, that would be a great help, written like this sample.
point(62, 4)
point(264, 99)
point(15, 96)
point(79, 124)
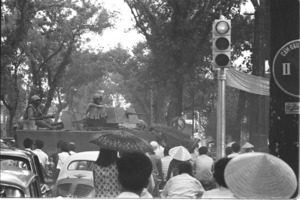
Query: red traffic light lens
point(222, 27)
point(222, 60)
point(222, 43)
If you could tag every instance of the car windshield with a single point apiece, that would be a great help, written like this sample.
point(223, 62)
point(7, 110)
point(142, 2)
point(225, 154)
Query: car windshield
point(14, 161)
point(10, 192)
point(81, 165)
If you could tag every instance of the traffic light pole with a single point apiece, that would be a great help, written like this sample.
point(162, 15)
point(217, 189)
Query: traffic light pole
point(221, 113)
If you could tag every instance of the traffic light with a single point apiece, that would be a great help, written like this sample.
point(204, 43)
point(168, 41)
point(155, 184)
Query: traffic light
point(221, 43)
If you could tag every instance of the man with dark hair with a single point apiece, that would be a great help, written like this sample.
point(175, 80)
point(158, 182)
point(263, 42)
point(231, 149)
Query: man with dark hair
point(235, 147)
point(183, 185)
point(43, 157)
point(72, 147)
point(203, 168)
point(28, 143)
point(134, 172)
point(222, 190)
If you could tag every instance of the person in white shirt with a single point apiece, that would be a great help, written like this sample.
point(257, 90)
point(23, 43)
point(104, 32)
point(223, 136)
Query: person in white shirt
point(222, 190)
point(235, 150)
point(203, 168)
point(134, 170)
point(43, 157)
point(165, 161)
point(158, 149)
point(184, 185)
point(63, 154)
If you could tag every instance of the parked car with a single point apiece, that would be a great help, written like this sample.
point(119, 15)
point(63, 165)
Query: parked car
point(24, 159)
point(16, 183)
point(76, 177)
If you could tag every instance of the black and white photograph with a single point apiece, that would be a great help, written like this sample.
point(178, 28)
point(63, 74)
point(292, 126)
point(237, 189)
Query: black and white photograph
point(152, 99)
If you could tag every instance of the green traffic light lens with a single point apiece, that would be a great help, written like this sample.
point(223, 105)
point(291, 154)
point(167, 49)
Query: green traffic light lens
point(222, 43)
point(222, 60)
point(222, 27)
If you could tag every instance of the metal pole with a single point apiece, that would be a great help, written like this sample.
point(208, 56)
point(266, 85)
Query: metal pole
point(221, 114)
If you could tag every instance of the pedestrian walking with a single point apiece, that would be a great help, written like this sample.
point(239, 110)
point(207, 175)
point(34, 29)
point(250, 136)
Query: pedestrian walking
point(179, 154)
point(184, 185)
point(165, 161)
point(43, 157)
point(203, 168)
point(105, 174)
point(157, 172)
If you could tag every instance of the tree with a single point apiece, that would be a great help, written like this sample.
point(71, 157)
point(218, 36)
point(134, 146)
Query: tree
point(258, 104)
point(16, 19)
point(57, 32)
point(178, 34)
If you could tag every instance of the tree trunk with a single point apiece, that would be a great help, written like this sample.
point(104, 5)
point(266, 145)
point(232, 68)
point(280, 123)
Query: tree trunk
point(258, 119)
point(175, 106)
point(284, 127)
point(58, 76)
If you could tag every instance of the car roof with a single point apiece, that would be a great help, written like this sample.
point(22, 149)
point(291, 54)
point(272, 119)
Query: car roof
point(17, 177)
point(16, 152)
point(85, 155)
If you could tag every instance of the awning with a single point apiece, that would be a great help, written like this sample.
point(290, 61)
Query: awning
point(249, 83)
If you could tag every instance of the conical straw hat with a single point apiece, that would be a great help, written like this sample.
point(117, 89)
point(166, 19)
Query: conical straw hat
point(260, 175)
point(180, 153)
point(247, 145)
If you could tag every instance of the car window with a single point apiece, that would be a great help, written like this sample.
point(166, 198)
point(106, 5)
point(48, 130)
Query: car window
point(80, 165)
point(10, 192)
point(14, 161)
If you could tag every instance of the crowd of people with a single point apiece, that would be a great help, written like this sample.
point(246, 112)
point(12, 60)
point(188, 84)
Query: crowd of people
point(177, 173)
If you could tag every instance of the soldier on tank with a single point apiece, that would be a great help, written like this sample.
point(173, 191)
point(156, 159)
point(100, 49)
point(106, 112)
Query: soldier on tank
point(96, 112)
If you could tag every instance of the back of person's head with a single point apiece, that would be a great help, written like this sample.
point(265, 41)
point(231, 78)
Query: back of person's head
point(72, 146)
point(219, 169)
point(228, 151)
point(203, 150)
point(185, 167)
point(27, 143)
point(63, 145)
point(134, 171)
point(39, 144)
point(106, 157)
point(235, 147)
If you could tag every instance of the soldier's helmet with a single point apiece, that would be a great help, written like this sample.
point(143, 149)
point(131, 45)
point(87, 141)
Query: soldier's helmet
point(35, 98)
point(97, 96)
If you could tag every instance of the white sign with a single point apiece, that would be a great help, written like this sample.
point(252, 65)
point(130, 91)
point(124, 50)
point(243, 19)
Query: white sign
point(292, 108)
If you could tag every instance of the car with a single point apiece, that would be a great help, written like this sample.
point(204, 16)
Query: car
point(24, 159)
point(76, 176)
point(16, 182)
